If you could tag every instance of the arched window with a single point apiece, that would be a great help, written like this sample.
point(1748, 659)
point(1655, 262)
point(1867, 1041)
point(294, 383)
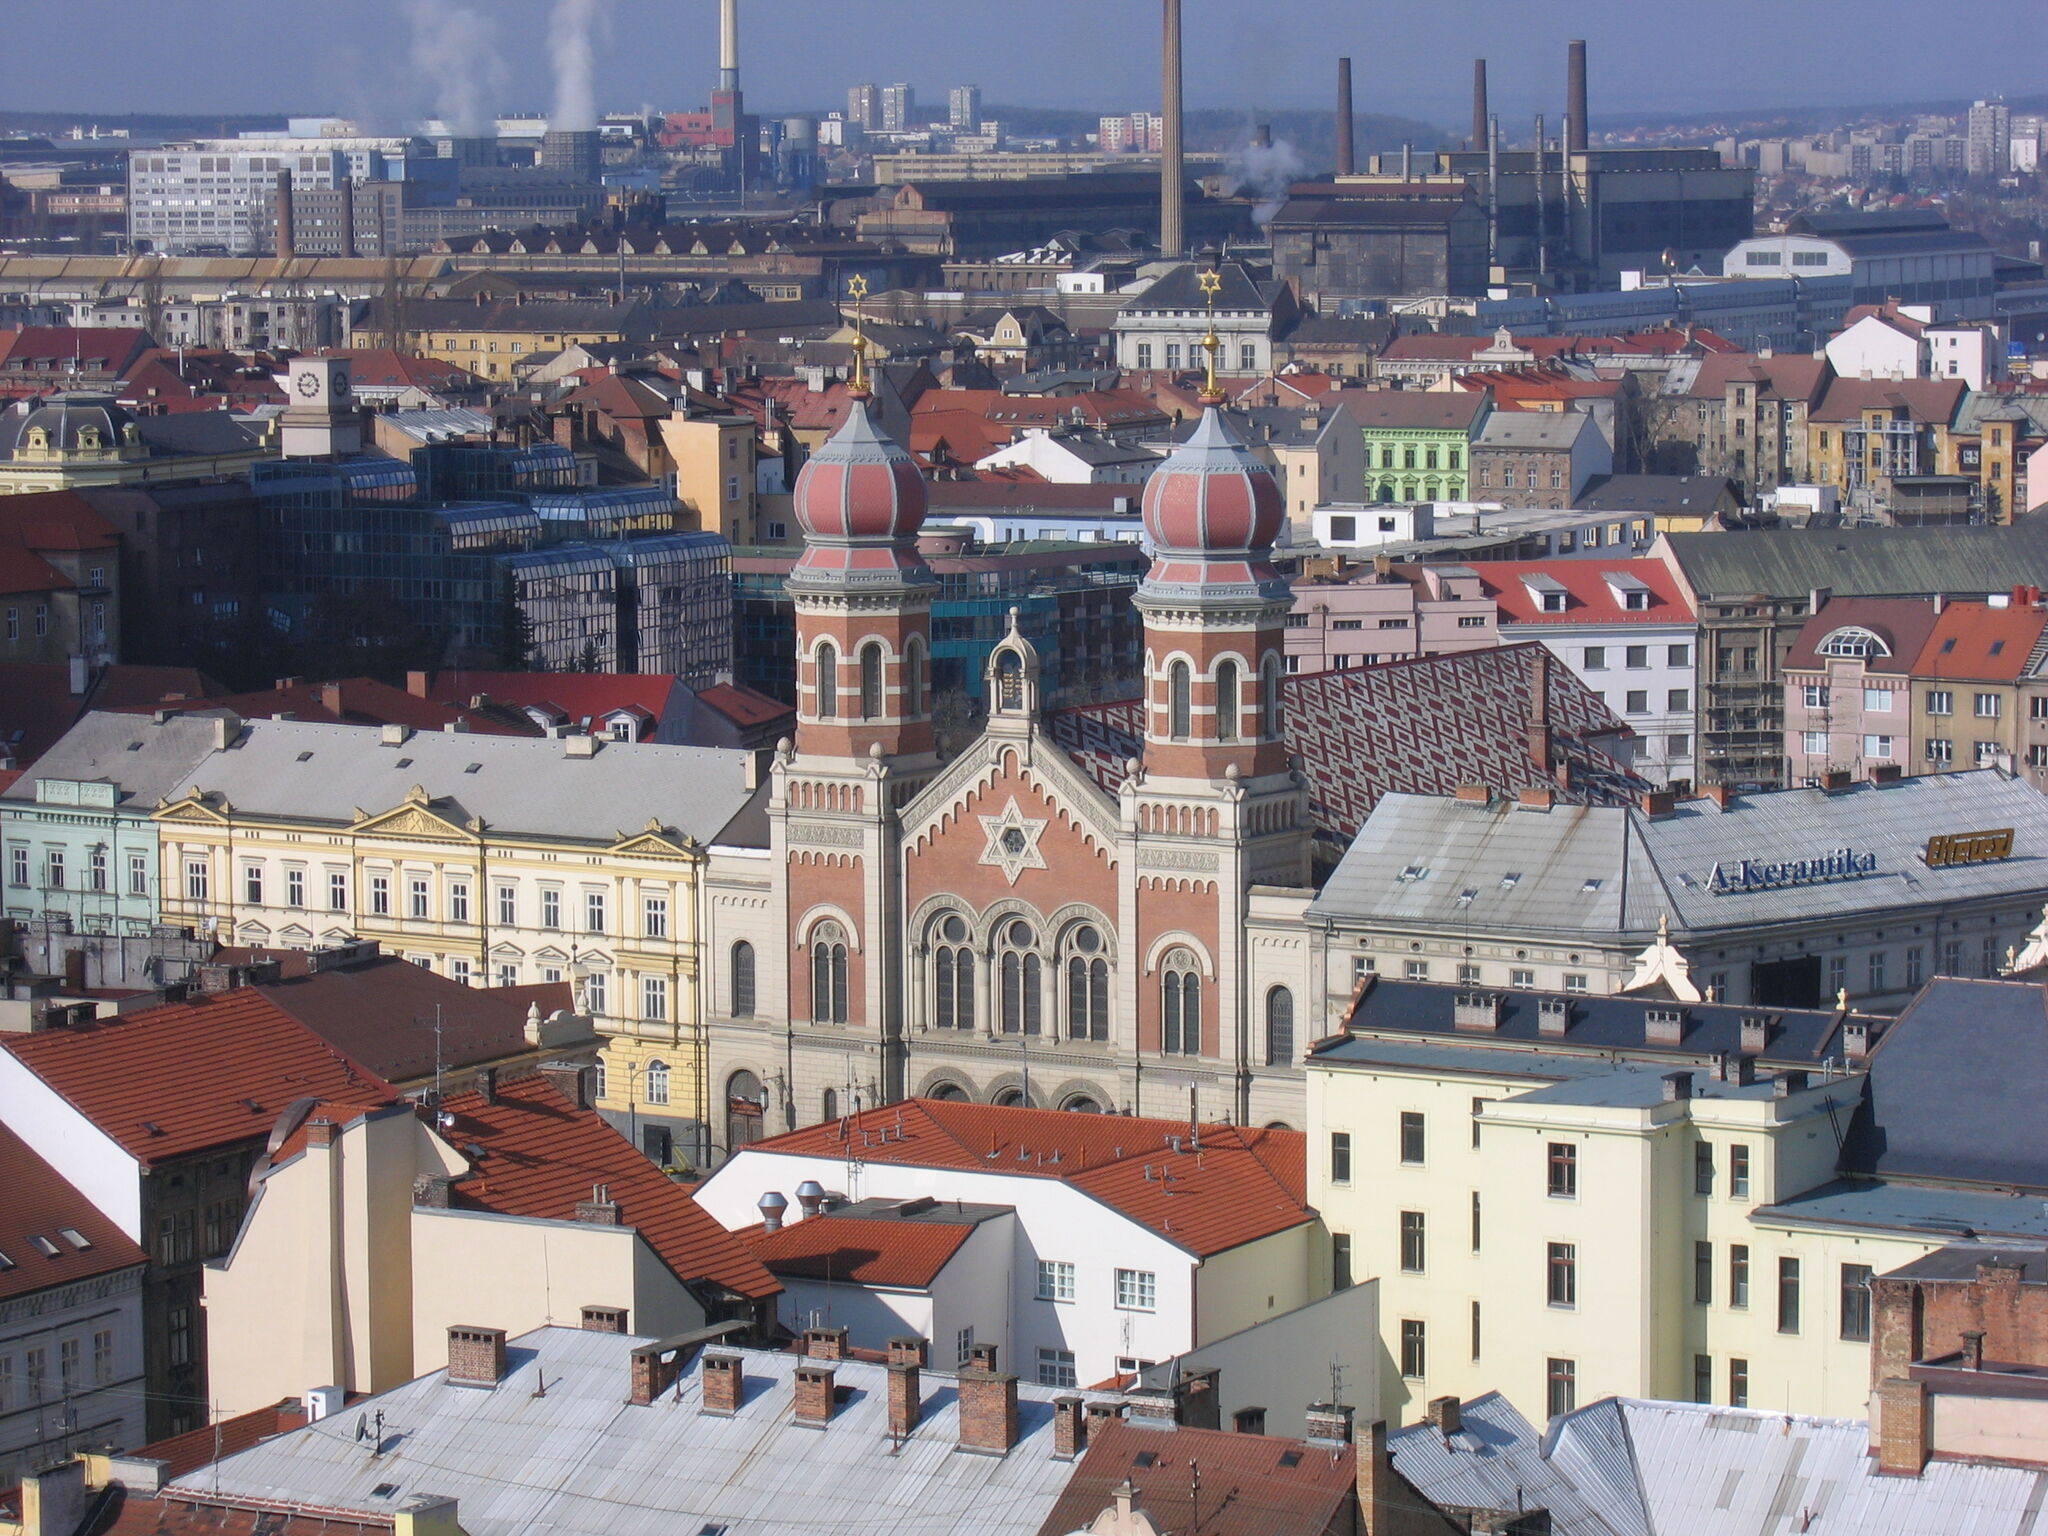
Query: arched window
point(1081, 1104)
point(744, 1105)
point(1009, 680)
point(1279, 1028)
point(828, 682)
point(1087, 986)
point(951, 1093)
point(871, 682)
point(1180, 1005)
point(743, 980)
point(1179, 704)
point(829, 1105)
point(828, 974)
point(913, 679)
point(952, 976)
point(1019, 969)
point(657, 1081)
point(1269, 697)
point(1227, 691)
point(1013, 1096)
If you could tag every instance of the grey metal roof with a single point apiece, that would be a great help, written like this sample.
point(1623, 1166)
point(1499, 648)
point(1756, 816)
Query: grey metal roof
point(300, 770)
point(1496, 1461)
point(1607, 873)
point(1942, 1213)
point(582, 1461)
point(145, 758)
point(1863, 562)
point(1534, 429)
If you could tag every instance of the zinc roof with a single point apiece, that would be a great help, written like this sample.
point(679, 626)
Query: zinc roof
point(1863, 562)
point(580, 1460)
point(144, 758)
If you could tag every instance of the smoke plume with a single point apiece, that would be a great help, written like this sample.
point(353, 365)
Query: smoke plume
point(574, 30)
point(1263, 171)
point(453, 51)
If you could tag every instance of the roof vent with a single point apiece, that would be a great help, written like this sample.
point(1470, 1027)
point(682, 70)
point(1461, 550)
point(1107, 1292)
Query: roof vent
point(394, 735)
point(1664, 1026)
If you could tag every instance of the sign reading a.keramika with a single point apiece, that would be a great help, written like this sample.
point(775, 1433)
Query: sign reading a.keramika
point(1764, 875)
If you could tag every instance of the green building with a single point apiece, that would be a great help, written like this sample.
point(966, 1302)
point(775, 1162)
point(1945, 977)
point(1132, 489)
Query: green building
point(1418, 443)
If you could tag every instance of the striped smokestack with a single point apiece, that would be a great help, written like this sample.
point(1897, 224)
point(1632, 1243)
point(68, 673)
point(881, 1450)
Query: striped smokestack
point(728, 45)
point(1575, 94)
point(1479, 112)
point(1344, 133)
point(1172, 237)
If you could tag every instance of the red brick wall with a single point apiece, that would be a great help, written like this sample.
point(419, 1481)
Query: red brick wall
point(1201, 756)
point(1078, 868)
point(1177, 905)
point(827, 879)
point(906, 725)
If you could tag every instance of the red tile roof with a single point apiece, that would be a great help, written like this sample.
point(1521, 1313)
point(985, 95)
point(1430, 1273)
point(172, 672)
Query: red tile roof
point(1979, 642)
point(1244, 1183)
point(364, 701)
point(202, 1447)
point(1249, 1485)
point(61, 520)
point(96, 349)
point(382, 368)
point(542, 1155)
point(188, 1077)
point(1589, 599)
point(579, 695)
point(23, 570)
point(859, 1250)
point(1792, 375)
point(742, 705)
point(1901, 623)
point(37, 705)
point(1923, 400)
point(40, 1209)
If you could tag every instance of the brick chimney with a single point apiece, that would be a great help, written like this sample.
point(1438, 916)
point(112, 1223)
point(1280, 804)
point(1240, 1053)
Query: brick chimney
point(1973, 1349)
point(1069, 1428)
point(1553, 1017)
point(825, 1343)
point(1329, 1423)
point(1900, 1427)
point(1447, 1414)
point(1476, 1010)
point(600, 1210)
point(605, 1320)
point(1379, 1495)
point(814, 1387)
point(724, 1378)
point(1677, 1087)
point(570, 1079)
point(330, 698)
point(1664, 1026)
point(988, 1405)
point(654, 1370)
point(487, 1084)
point(476, 1356)
point(906, 1402)
point(1540, 752)
point(1856, 1039)
point(433, 1191)
point(1756, 1032)
point(416, 684)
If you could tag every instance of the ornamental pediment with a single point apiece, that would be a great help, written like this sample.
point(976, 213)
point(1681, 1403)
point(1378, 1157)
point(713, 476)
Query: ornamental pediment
point(656, 841)
point(414, 819)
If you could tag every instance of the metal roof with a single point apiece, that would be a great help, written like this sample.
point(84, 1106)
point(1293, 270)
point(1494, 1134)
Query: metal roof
point(1496, 1461)
point(1863, 562)
point(144, 758)
point(1942, 1214)
point(580, 1460)
point(302, 771)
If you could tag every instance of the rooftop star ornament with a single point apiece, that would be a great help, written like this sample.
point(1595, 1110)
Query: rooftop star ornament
point(1210, 282)
point(1013, 841)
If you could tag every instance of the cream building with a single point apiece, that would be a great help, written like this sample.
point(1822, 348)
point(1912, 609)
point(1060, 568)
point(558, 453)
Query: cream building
point(1570, 1198)
point(494, 860)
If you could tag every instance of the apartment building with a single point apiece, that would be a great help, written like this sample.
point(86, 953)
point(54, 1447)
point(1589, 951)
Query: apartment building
point(1351, 613)
point(1538, 458)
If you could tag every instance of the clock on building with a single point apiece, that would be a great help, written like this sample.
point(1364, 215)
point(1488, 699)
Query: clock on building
point(308, 384)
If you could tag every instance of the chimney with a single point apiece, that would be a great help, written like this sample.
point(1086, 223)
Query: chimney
point(654, 1368)
point(476, 1356)
point(600, 1210)
point(988, 1397)
point(724, 1382)
point(1575, 93)
point(1328, 1423)
point(1262, 135)
point(1379, 1495)
point(1785, 1084)
point(1479, 108)
point(1069, 1429)
point(320, 1132)
point(825, 1343)
point(570, 1080)
point(906, 1405)
point(1447, 1414)
point(1756, 1032)
point(79, 675)
point(487, 1084)
point(605, 1320)
point(433, 1191)
point(810, 1198)
point(771, 1206)
point(1737, 1067)
point(814, 1386)
point(416, 684)
point(1973, 1349)
point(1900, 1427)
point(1346, 136)
point(1659, 803)
point(1539, 711)
point(1539, 797)
point(1884, 773)
point(1664, 1026)
point(1835, 780)
point(1475, 794)
point(286, 236)
point(1553, 1017)
point(1677, 1087)
point(1248, 1421)
point(1856, 1039)
point(1476, 1010)
point(1172, 236)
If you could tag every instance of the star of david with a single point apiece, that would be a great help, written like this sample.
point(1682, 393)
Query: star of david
point(1012, 842)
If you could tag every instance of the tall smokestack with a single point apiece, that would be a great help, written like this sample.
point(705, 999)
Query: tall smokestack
point(286, 238)
point(1344, 133)
point(1479, 112)
point(728, 45)
point(1575, 94)
point(1492, 192)
point(1542, 204)
point(1262, 136)
point(1172, 237)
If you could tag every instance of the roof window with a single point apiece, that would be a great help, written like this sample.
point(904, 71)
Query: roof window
point(75, 1238)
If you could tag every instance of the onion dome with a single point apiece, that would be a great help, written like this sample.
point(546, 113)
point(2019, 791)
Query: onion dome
point(1211, 497)
point(861, 487)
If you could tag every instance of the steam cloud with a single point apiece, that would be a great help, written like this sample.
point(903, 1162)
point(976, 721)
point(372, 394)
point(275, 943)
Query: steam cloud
point(453, 50)
point(1263, 171)
point(574, 30)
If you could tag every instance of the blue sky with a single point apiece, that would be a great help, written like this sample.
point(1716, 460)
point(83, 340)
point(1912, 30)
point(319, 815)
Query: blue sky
point(1412, 58)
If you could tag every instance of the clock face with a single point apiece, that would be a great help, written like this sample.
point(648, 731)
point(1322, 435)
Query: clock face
point(338, 381)
point(308, 384)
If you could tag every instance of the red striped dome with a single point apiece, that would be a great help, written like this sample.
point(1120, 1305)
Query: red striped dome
point(1212, 497)
point(860, 486)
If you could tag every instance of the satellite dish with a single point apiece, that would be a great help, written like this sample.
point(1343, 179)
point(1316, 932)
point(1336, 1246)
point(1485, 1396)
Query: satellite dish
point(362, 1426)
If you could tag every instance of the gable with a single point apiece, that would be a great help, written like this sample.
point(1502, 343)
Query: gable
point(415, 818)
point(1012, 830)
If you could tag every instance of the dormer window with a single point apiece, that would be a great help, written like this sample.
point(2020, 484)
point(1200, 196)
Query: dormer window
point(1853, 641)
point(1553, 602)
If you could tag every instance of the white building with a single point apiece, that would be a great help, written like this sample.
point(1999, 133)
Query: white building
point(222, 193)
point(1901, 341)
point(1131, 1241)
point(1626, 628)
point(1075, 456)
point(1163, 326)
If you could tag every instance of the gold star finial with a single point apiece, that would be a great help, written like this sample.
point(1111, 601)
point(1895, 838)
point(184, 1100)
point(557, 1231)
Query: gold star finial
point(1210, 281)
point(856, 290)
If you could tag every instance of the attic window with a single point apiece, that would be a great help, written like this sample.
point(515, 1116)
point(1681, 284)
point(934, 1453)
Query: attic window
point(305, 757)
point(1853, 642)
point(44, 1246)
point(1589, 887)
point(1634, 601)
point(473, 768)
point(1414, 872)
point(1290, 1458)
point(1553, 602)
point(403, 762)
point(1145, 1459)
point(134, 746)
point(383, 1490)
point(1948, 645)
point(5, 1263)
point(1997, 646)
point(1465, 896)
point(75, 1238)
point(1510, 880)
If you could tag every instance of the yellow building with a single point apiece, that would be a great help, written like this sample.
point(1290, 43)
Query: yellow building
point(1564, 1198)
point(714, 459)
point(495, 860)
point(80, 439)
point(490, 337)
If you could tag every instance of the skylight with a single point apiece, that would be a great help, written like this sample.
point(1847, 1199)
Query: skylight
point(75, 1238)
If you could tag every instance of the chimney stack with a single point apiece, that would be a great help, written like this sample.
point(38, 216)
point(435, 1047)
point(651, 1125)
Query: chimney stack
point(287, 234)
point(1575, 94)
point(654, 1369)
point(570, 1080)
point(814, 1388)
point(1172, 237)
point(825, 1343)
point(604, 1320)
point(988, 1402)
point(1480, 116)
point(1447, 1414)
point(729, 45)
point(476, 1356)
point(1539, 711)
point(1346, 138)
point(724, 1383)
point(906, 1403)
point(1262, 135)
point(1069, 1429)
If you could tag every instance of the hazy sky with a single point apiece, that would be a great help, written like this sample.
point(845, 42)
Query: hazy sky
point(389, 59)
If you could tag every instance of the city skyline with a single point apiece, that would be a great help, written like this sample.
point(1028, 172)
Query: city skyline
point(663, 54)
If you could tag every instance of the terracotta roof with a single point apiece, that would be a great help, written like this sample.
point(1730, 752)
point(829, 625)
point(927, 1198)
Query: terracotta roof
point(1923, 400)
point(382, 368)
point(203, 1446)
point(1250, 1485)
point(1589, 597)
point(135, 1515)
point(542, 1156)
point(23, 570)
point(742, 705)
point(55, 520)
point(50, 1234)
point(171, 1081)
point(1977, 641)
point(859, 1250)
point(1423, 725)
point(1901, 623)
point(1245, 1183)
point(37, 705)
point(579, 695)
point(96, 349)
point(1792, 375)
point(1410, 410)
point(363, 701)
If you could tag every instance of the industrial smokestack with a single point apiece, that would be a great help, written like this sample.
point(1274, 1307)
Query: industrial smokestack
point(286, 238)
point(1262, 136)
point(1407, 162)
point(1575, 94)
point(728, 45)
point(1542, 204)
point(1344, 133)
point(1479, 112)
point(1492, 192)
point(1172, 236)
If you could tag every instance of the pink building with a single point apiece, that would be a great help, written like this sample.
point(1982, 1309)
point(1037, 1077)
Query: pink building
point(1352, 614)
